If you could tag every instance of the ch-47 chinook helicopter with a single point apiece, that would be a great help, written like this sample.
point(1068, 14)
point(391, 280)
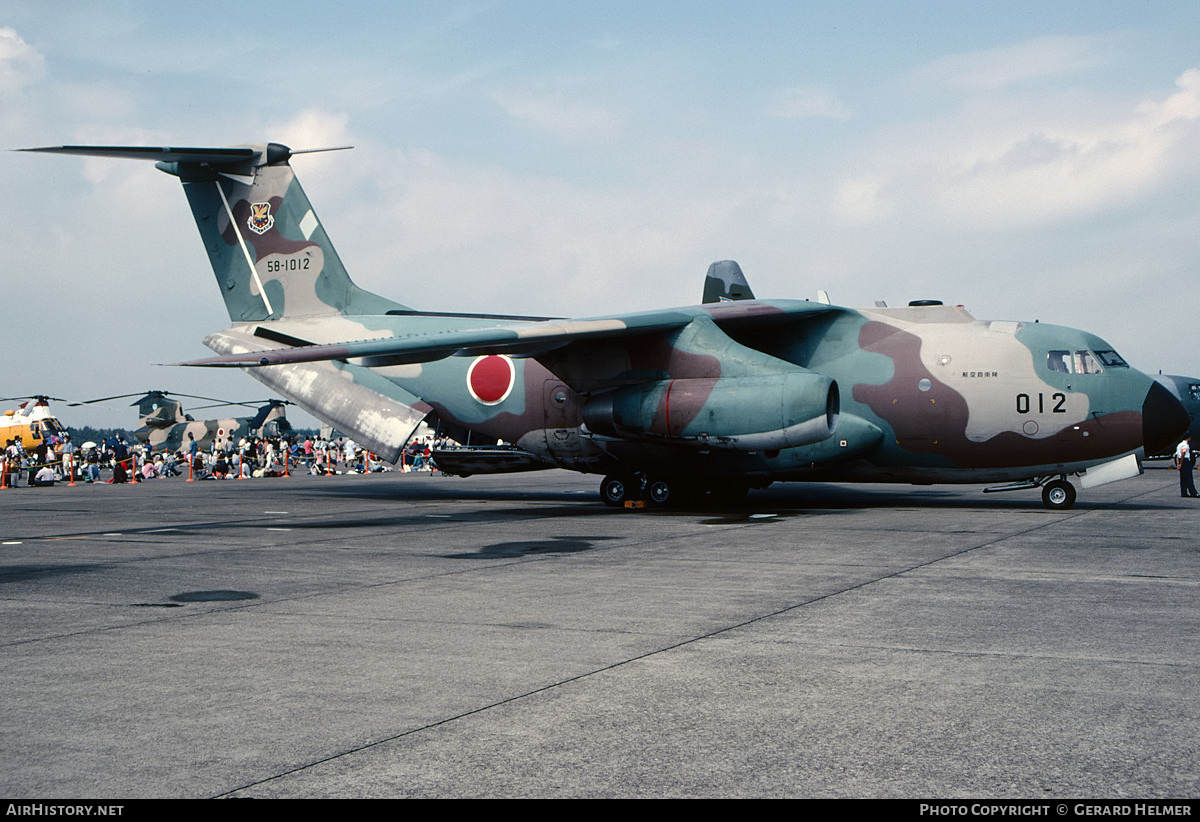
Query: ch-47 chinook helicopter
point(163, 425)
point(669, 404)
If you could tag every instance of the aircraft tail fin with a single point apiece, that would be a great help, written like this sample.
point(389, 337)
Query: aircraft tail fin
point(266, 413)
point(156, 410)
point(724, 282)
point(270, 254)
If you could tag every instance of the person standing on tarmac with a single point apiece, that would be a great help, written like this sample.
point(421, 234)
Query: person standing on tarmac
point(120, 461)
point(1185, 460)
point(68, 458)
point(12, 455)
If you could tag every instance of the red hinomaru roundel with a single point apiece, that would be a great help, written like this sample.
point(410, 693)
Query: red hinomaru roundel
point(490, 379)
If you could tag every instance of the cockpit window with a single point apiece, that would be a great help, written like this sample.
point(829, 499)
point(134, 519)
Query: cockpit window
point(52, 428)
point(1085, 363)
point(1080, 362)
point(1111, 359)
point(1194, 391)
point(1059, 361)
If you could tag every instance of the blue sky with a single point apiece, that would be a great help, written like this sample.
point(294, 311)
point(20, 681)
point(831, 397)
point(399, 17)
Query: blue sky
point(1027, 160)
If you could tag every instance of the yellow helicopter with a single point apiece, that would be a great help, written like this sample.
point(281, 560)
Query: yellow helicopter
point(32, 421)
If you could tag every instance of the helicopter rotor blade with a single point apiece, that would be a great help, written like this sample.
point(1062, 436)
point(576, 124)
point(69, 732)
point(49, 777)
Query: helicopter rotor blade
point(41, 397)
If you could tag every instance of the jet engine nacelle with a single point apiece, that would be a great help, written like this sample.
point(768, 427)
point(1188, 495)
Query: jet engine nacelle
point(758, 413)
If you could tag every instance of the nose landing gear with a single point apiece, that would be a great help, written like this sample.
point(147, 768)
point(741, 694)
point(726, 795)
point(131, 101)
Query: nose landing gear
point(1058, 495)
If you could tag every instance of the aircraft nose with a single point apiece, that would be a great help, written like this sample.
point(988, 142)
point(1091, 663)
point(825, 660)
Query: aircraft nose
point(1164, 420)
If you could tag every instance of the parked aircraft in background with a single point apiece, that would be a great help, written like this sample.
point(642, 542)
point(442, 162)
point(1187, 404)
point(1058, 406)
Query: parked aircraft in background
point(1187, 391)
point(32, 421)
point(673, 404)
point(164, 426)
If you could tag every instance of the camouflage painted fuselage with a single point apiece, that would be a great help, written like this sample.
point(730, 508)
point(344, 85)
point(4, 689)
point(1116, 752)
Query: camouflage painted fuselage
point(925, 394)
point(747, 390)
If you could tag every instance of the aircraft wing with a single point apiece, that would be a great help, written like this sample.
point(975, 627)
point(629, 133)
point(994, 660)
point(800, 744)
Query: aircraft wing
point(526, 339)
point(520, 340)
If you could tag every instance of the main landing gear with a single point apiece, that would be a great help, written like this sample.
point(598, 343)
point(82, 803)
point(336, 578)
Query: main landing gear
point(619, 490)
point(614, 490)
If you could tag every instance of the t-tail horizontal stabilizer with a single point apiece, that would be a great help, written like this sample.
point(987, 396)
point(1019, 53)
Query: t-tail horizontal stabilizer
point(213, 156)
point(270, 154)
point(270, 254)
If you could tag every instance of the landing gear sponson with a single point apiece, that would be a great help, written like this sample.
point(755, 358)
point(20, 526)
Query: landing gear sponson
point(616, 490)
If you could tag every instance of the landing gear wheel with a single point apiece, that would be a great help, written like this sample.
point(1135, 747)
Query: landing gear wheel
point(659, 492)
point(614, 490)
point(1058, 495)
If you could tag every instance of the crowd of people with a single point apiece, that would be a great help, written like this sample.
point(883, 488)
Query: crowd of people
point(59, 460)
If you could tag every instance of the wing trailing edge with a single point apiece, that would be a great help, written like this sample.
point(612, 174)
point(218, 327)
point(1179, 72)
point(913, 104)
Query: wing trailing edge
point(521, 340)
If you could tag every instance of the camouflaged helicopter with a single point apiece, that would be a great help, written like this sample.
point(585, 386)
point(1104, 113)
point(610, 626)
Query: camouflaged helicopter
point(163, 425)
point(671, 405)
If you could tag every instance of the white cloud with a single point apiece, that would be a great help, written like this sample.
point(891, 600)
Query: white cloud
point(313, 128)
point(440, 234)
point(20, 63)
point(560, 113)
point(1001, 165)
point(802, 102)
point(859, 197)
point(1013, 63)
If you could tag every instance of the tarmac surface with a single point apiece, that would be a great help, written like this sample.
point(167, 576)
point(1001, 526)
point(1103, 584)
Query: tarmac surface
point(414, 635)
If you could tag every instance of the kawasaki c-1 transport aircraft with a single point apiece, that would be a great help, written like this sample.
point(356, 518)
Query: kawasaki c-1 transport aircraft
point(668, 405)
